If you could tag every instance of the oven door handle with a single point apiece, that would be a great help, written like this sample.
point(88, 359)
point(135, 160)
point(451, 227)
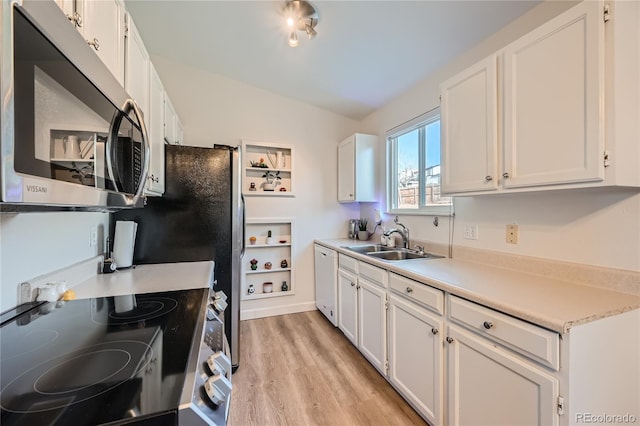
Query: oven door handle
point(129, 105)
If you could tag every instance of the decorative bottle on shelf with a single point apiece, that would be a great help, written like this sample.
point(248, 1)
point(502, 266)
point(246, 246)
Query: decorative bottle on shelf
point(284, 287)
point(269, 239)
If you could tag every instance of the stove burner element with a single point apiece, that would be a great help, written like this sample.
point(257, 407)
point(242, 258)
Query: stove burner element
point(78, 376)
point(144, 309)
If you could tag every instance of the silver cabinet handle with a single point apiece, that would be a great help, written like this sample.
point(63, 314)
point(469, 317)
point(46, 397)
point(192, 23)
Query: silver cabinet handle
point(434, 331)
point(76, 19)
point(94, 43)
point(353, 284)
point(488, 325)
point(505, 175)
point(449, 339)
point(488, 178)
point(357, 287)
point(409, 290)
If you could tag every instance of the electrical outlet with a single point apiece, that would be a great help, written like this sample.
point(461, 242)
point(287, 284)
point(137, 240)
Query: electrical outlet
point(470, 232)
point(512, 234)
point(93, 236)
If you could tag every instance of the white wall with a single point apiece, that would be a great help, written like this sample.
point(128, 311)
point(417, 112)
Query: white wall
point(32, 244)
point(215, 109)
point(596, 227)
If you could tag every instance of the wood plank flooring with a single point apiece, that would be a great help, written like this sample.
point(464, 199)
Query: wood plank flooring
point(298, 369)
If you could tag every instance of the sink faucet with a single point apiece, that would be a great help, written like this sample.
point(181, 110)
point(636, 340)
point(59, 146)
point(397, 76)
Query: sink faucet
point(403, 231)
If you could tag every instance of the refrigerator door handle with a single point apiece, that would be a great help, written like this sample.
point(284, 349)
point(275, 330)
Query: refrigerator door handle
point(244, 222)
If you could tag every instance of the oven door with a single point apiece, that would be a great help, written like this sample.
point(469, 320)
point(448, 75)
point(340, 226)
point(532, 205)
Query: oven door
point(58, 98)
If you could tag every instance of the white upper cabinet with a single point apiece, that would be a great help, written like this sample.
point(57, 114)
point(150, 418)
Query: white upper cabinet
point(356, 168)
point(169, 122)
point(469, 114)
point(553, 93)
point(548, 111)
point(136, 81)
point(155, 128)
point(102, 25)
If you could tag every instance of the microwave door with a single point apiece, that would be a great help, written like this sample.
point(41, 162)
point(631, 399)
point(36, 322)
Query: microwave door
point(127, 151)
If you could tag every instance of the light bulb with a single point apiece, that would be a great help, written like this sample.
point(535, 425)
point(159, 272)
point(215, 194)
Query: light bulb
point(293, 39)
point(290, 21)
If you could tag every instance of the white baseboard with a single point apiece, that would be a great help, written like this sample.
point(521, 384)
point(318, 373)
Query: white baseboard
point(248, 314)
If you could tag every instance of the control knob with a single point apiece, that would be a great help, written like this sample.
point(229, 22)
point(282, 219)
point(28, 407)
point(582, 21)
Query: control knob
point(219, 363)
point(217, 388)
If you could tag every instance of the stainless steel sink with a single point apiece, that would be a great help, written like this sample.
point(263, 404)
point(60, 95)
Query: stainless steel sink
point(390, 253)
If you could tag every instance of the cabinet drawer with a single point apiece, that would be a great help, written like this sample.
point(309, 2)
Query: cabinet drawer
point(349, 263)
point(418, 292)
point(373, 274)
point(527, 339)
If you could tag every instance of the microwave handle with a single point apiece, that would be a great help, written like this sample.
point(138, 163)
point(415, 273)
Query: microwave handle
point(129, 105)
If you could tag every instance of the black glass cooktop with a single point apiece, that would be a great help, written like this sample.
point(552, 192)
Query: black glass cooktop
point(95, 361)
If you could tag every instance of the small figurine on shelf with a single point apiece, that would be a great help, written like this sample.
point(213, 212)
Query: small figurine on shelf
point(254, 264)
point(251, 289)
point(268, 265)
point(252, 240)
point(284, 263)
point(283, 189)
point(267, 287)
point(269, 239)
point(284, 287)
point(252, 186)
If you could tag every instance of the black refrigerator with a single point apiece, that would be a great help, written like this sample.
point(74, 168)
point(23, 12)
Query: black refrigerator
point(199, 217)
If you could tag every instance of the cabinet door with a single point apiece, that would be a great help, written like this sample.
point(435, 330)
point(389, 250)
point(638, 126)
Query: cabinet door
point(346, 170)
point(347, 305)
point(553, 91)
point(103, 28)
point(155, 128)
point(169, 121)
point(416, 357)
point(137, 64)
point(372, 324)
point(68, 7)
point(469, 117)
point(491, 386)
point(179, 132)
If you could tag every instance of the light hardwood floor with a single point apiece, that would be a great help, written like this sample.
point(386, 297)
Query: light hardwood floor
point(298, 369)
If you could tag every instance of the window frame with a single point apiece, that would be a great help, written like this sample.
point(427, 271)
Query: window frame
point(420, 122)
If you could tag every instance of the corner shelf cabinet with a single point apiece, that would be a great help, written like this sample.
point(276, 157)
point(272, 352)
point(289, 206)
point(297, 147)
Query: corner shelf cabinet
point(278, 249)
point(253, 152)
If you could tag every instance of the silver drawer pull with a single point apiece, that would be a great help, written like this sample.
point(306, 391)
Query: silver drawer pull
point(409, 290)
point(449, 339)
point(487, 324)
point(94, 43)
point(434, 331)
point(488, 178)
point(353, 284)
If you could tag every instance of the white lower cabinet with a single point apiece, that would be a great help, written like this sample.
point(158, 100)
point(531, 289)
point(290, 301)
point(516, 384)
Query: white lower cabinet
point(348, 304)
point(416, 357)
point(488, 385)
point(372, 323)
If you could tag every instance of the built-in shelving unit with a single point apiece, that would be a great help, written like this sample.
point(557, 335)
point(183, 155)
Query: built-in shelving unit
point(260, 158)
point(279, 248)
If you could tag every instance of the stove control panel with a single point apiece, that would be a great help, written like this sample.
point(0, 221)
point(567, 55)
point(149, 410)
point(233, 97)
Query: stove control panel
point(218, 388)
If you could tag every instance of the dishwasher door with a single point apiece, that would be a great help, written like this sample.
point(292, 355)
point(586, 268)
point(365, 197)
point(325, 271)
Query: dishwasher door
point(326, 274)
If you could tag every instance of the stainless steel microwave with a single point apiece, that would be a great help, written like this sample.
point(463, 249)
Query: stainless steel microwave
point(70, 134)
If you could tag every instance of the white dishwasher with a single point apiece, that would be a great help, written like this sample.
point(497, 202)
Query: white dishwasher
point(326, 267)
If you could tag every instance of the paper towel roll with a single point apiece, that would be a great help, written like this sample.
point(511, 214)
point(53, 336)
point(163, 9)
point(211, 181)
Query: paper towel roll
point(124, 242)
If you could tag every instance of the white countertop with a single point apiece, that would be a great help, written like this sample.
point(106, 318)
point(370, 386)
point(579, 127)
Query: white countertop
point(548, 302)
point(147, 279)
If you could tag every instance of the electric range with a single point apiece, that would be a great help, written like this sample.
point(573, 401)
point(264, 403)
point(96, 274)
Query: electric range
point(153, 358)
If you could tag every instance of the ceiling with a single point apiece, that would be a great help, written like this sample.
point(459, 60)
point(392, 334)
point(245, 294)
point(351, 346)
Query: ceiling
point(365, 54)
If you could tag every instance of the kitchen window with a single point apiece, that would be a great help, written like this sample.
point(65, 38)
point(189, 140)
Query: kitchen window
point(413, 167)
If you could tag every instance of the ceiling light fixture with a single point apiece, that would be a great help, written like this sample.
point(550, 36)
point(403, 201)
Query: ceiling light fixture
point(300, 16)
